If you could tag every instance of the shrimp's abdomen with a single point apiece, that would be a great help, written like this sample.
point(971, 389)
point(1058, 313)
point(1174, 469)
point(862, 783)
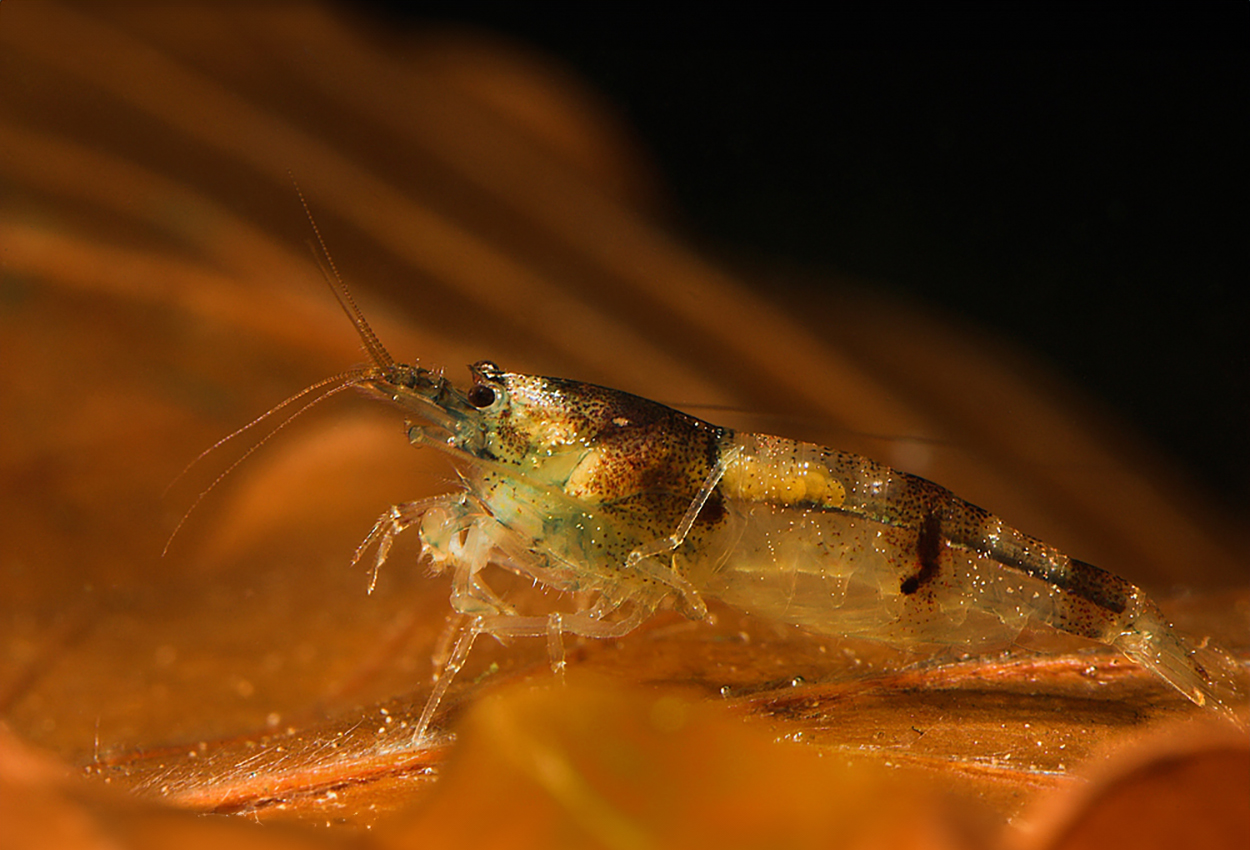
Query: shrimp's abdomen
point(840, 545)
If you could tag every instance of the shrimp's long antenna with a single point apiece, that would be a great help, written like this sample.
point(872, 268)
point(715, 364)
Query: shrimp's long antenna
point(377, 351)
point(342, 376)
point(346, 379)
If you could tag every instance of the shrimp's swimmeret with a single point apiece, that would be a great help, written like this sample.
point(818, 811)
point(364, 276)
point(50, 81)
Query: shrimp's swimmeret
point(636, 507)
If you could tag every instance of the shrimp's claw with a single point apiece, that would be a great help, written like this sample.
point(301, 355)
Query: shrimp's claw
point(393, 521)
point(1207, 675)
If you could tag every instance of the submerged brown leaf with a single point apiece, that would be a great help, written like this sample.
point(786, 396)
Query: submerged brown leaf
point(155, 293)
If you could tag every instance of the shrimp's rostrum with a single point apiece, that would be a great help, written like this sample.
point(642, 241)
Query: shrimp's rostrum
point(635, 506)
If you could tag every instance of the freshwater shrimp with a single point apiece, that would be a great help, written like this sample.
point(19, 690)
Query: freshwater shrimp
point(637, 507)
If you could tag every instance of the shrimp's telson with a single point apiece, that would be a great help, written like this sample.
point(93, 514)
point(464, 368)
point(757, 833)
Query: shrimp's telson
point(636, 506)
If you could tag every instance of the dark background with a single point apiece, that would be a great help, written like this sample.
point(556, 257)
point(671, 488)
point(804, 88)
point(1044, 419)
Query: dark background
point(1072, 177)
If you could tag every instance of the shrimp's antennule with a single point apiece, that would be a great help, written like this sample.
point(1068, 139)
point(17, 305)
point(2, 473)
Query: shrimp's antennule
point(377, 351)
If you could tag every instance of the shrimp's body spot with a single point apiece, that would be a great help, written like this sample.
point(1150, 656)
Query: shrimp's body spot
point(929, 546)
point(785, 481)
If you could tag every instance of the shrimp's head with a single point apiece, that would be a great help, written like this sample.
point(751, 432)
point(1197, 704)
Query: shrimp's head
point(444, 416)
point(593, 443)
point(477, 421)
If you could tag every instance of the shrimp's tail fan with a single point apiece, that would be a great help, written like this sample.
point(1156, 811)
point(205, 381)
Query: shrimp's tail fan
point(1206, 674)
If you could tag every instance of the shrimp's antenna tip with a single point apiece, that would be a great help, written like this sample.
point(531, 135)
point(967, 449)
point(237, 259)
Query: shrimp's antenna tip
point(325, 262)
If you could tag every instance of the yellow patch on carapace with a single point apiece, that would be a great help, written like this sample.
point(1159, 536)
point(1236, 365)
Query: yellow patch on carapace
point(785, 483)
point(584, 481)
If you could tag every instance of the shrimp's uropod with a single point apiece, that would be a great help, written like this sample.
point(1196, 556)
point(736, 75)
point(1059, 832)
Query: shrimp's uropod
point(635, 506)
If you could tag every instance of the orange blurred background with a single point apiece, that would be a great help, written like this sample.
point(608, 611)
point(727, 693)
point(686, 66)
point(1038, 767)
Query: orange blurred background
point(157, 292)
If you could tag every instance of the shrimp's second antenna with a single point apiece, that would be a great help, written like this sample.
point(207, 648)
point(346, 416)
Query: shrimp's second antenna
point(632, 506)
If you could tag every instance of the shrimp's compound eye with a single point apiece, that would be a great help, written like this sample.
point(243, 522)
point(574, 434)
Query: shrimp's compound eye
point(481, 396)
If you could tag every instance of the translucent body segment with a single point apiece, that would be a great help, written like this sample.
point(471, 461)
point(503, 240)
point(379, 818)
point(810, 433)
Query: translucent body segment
point(838, 574)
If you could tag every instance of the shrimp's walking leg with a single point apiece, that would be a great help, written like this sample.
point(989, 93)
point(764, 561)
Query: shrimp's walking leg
point(637, 559)
point(443, 647)
point(555, 644)
point(554, 627)
point(468, 634)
